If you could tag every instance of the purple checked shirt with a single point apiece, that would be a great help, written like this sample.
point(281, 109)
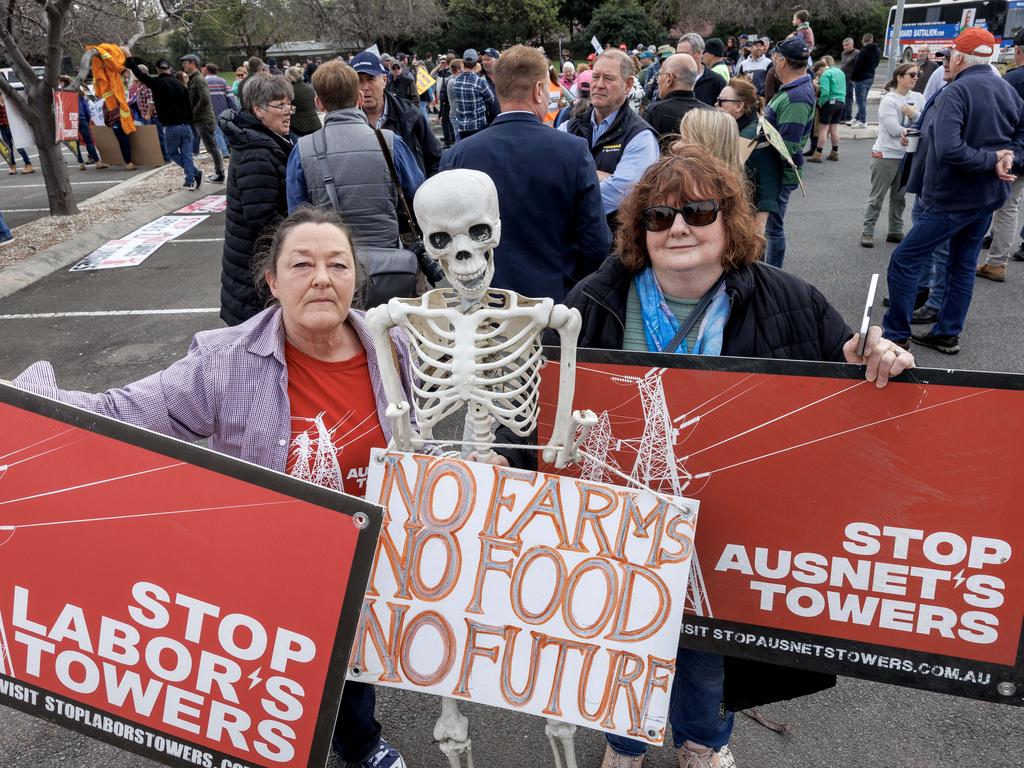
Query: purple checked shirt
point(231, 387)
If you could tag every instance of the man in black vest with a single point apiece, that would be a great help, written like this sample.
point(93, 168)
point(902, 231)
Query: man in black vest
point(622, 144)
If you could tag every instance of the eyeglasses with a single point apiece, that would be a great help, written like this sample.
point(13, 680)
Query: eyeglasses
point(286, 108)
point(720, 102)
point(697, 213)
point(912, 74)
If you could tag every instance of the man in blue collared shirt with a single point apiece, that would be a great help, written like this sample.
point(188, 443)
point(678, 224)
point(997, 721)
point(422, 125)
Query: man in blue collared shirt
point(622, 144)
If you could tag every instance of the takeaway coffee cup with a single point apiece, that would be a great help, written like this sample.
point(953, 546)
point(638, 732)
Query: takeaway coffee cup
point(913, 137)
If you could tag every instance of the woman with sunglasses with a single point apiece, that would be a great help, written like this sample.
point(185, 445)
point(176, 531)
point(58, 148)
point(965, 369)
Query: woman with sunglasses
point(688, 257)
point(898, 110)
point(763, 165)
point(259, 137)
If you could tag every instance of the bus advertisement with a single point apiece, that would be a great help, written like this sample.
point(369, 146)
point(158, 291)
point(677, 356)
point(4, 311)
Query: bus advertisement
point(937, 24)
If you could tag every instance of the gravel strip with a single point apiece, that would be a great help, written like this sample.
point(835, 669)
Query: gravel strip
point(46, 232)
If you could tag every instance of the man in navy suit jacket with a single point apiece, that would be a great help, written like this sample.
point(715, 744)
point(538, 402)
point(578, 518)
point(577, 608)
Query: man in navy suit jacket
point(553, 230)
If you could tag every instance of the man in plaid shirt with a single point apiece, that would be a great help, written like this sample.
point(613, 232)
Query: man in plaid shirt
point(472, 99)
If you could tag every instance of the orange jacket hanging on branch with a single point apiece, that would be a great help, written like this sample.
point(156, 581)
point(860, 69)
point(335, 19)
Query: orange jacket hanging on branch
point(107, 82)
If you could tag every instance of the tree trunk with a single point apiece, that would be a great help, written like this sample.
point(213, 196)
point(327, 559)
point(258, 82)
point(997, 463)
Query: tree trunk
point(51, 160)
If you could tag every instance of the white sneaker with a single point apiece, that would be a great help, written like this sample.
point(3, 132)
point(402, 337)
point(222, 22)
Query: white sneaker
point(613, 759)
point(725, 758)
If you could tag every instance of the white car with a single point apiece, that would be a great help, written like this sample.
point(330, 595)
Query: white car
point(9, 75)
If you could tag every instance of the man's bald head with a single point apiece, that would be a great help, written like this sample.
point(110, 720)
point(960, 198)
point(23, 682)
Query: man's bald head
point(679, 73)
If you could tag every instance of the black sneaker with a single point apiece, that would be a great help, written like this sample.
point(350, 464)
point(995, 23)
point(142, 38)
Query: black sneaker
point(948, 345)
point(924, 315)
point(217, 179)
point(1018, 255)
point(986, 242)
point(198, 180)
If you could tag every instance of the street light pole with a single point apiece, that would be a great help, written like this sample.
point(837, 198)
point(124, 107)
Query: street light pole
point(894, 43)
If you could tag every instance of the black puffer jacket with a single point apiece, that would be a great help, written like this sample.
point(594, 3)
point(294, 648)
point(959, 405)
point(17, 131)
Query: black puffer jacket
point(409, 123)
point(256, 200)
point(772, 314)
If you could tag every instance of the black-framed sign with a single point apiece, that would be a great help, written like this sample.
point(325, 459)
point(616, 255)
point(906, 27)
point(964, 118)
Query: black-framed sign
point(170, 600)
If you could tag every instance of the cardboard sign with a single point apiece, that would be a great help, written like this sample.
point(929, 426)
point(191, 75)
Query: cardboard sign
point(65, 114)
point(869, 533)
point(21, 131)
point(135, 247)
point(532, 592)
point(145, 145)
point(148, 591)
point(424, 81)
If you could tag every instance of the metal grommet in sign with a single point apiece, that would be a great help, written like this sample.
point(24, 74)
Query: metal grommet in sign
point(361, 520)
point(355, 671)
point(652, 733)
point(1006, 689)
point(379, 458)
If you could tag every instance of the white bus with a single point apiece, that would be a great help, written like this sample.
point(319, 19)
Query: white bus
point(937, 24)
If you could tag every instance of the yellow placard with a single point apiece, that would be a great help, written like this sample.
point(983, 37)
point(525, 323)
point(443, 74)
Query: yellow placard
point(423, 80)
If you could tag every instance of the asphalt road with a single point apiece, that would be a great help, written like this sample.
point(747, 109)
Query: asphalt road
point(23, 197)
point(857, 723)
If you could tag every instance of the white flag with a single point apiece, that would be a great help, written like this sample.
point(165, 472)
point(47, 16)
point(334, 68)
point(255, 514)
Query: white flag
point(597, 45)
point(374, 50)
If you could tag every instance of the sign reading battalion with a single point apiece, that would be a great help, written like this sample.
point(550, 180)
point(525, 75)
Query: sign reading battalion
point(544, 594)
point(864, 532)
point(169, 600)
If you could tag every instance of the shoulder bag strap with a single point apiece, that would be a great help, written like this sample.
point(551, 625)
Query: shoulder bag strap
point(394, 180)
point(694, 316)
point(325, 170)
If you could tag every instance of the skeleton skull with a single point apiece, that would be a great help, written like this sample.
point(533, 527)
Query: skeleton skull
point(458, 213)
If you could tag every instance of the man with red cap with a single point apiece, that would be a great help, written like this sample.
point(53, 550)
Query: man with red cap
point(971, 144)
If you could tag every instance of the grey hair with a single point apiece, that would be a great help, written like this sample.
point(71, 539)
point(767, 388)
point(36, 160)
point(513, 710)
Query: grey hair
point(696, 43)
point(848, 40)
point(626, 68)
point(294, 73)
point(970, 60)
point(261, 89)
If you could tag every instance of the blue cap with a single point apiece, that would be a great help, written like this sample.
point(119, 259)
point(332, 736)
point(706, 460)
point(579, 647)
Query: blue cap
point(367, 63)
point(470, 54)
point(794, 49)
point(491, 52)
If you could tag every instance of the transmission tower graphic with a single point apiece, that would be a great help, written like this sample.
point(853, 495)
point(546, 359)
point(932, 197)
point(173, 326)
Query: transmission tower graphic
point(656, 465)
point(596, 452)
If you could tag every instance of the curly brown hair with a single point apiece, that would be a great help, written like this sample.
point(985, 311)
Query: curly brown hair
point(691, 172)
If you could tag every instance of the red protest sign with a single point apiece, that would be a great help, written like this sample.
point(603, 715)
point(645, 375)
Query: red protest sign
point(65, 113)
point(172, 601)
point(863, 532)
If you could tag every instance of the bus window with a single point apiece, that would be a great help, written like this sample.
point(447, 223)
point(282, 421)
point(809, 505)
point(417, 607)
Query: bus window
point(1014, 22)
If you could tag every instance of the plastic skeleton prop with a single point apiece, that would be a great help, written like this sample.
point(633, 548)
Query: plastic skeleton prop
point(477, 347)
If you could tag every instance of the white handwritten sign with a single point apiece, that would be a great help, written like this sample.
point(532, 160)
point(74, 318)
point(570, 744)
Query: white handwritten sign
point(540, 593)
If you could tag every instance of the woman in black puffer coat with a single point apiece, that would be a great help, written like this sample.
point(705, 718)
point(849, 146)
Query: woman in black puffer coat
point(260, 143)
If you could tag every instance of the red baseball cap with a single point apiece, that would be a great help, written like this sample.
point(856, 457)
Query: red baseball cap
point(975, 42)
point(591, 57)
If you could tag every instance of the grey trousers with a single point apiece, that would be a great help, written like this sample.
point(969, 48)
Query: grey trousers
point(1004, 227)
point(209, 138)
point(885, 177)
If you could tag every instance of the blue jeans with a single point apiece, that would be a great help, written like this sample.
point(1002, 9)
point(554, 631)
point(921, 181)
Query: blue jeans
point(85, 136)
point(775, 232)
point(5, 231)
point(222, 145)
point(178, 139)
point(356, 733)
point(848, 104)
point(695, 705)
point(963, 230)
point(159, 135)
point(860, 92)
point(933, 280)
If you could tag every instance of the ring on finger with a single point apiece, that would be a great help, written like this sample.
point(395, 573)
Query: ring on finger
point(895, 350)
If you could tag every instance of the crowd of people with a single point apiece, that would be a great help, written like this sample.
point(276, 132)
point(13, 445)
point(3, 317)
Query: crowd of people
point(640, 187)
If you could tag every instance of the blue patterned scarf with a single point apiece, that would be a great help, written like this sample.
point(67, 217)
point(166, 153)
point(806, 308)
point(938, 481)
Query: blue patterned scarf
point(661, 325)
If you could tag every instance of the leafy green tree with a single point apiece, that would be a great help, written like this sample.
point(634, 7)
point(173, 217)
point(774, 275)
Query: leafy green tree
point(624, 21)
point(483, 23)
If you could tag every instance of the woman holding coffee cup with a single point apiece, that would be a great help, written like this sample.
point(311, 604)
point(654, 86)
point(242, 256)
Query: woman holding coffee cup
point(899, 108)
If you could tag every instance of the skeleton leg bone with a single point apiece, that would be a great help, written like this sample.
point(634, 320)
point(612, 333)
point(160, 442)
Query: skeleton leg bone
point(565, 733)
point(451, 731)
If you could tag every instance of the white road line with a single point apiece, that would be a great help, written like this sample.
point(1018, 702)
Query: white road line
point(196, 240)
point(24, 210)
point(112, 313)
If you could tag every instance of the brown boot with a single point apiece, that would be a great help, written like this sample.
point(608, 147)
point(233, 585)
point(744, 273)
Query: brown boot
point(28, 168)
point(693, 755)
point(816, 157)
point(992, 272)
point(613, 759)
point(834, 154)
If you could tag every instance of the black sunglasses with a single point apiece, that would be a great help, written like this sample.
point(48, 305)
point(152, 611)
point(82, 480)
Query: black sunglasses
point(698, 213)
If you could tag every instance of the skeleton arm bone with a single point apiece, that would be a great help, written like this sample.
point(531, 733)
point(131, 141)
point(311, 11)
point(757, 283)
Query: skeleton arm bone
point(567, 322)
point(380, 321)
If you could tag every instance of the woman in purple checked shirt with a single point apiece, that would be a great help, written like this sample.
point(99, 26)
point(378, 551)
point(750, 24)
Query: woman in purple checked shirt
point(317, 346)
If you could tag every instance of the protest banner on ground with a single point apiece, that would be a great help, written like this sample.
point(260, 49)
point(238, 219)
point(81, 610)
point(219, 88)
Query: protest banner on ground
point(208, 204)
point(868, 533)
point(169, 600)
point(527, 591)
point(135, 247)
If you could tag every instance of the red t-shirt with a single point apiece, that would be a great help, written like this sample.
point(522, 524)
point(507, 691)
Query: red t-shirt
point(334, 421)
